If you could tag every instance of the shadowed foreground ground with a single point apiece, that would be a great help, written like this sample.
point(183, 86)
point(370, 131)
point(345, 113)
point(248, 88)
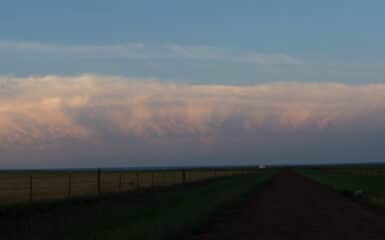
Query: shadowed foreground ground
point(162, 213)
point(294, 207)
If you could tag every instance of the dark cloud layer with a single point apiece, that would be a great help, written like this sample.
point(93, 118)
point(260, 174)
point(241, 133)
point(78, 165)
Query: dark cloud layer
point(89, 121)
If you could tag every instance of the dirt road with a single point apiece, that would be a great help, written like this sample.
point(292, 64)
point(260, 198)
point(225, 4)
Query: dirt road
point(294, 207)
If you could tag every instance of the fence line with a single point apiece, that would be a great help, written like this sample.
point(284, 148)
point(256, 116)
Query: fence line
point(19, 187)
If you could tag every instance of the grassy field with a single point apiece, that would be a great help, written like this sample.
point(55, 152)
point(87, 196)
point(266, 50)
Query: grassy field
point(31, 186)
point(160, 213)
point(350, 180)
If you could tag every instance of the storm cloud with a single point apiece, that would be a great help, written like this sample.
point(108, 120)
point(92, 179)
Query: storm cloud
point(92, 120)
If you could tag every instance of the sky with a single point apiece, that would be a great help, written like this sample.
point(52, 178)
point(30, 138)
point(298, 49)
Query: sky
point(160, 83)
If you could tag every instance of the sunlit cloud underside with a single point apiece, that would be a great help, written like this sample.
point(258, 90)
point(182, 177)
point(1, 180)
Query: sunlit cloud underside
point(56, 118)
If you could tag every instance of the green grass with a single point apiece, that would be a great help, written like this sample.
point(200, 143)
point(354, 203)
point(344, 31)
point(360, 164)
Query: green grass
point(373, 186)
point(162, 213)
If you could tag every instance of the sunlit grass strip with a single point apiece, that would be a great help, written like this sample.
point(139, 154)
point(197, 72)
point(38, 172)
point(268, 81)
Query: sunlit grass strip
point(33, 186)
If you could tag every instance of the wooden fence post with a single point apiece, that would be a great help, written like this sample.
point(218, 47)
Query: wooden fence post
point(183, 176)
point(69, 185)
point(137, 180)
point(99, 181)
point(30, 188)
point(120, 182)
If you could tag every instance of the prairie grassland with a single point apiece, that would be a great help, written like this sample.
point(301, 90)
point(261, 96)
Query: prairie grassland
point(161, 213)
point(370, 180)
point(32, 186)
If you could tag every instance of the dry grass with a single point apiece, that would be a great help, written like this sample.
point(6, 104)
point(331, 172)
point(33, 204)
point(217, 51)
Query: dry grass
point(19, 187)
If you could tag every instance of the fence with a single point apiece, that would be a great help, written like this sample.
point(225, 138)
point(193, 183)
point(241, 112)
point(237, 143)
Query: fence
point(20, 187)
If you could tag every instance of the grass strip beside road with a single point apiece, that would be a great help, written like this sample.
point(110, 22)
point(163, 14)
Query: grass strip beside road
point(371, 189)
point(161, 213)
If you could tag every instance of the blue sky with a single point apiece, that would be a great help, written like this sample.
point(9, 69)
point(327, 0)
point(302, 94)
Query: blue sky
point(335, 41)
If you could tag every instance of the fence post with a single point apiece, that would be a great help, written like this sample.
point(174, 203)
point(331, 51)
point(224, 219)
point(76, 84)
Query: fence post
point(69, 184)
point(99, 181)
point(120, 182)
point(152, 179)
point(183, 176)
point(137, 180)
point(30, 188)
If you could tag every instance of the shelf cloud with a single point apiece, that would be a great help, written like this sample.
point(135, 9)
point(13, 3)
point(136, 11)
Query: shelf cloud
point(43, 114)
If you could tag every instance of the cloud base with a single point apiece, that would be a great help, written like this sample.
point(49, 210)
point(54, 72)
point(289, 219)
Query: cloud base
point(46, 120)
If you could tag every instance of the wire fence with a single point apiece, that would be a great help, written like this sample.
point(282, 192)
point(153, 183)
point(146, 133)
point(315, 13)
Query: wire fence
point(33, 186)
